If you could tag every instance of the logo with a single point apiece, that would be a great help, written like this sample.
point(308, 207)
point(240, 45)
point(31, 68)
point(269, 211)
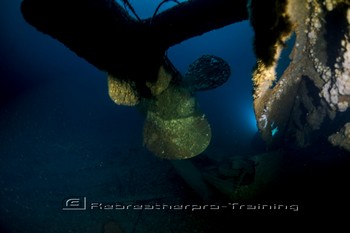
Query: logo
point(76, 203)
point(80, 203)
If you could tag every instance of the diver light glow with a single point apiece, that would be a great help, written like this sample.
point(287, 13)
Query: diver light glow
point(251, 120)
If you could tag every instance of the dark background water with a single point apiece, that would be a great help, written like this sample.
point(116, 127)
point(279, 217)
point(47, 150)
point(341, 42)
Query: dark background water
point(61, 135)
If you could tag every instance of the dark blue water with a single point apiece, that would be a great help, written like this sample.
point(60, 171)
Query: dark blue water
point(61, 136)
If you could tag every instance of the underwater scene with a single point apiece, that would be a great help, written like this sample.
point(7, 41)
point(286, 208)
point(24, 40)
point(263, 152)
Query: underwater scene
point(169, 116)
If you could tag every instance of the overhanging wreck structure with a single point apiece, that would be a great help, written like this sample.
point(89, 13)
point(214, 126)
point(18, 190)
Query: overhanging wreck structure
point(306, 106)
